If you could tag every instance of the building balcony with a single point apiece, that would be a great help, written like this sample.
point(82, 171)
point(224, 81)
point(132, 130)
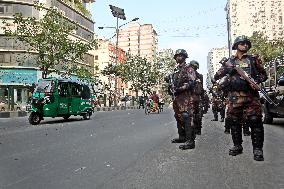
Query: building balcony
point(79, 5)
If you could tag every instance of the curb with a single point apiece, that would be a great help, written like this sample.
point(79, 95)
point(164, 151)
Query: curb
point(12, 114)
point(105, 109)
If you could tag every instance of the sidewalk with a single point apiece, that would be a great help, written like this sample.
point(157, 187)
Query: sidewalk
point(12, 114)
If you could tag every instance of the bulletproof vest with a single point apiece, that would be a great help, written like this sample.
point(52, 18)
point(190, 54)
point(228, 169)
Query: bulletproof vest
point(198, 89)
point(238, 83)
point(181, 76)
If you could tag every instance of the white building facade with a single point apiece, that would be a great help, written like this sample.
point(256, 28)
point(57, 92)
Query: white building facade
point(247, 16)
point(213, 59)
point(139, 39)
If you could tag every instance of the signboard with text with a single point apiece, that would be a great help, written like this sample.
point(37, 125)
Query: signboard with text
point(14, 76)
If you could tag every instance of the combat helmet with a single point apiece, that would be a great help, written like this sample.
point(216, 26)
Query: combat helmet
point(240, 39)
point(194, 64)
point(181, 51)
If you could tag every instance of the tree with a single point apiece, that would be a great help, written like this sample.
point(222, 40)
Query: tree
point(50, 38)
point(141, 74)
point(268, 50)
point(167, 65)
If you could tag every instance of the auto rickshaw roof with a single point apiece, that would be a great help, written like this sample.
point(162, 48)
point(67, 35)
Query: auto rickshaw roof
point(65, 80)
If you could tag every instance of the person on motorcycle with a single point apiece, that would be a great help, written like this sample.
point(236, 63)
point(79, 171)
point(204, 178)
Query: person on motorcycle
point(155, 98)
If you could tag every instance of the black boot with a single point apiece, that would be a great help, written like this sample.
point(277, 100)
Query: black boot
point(236, 132)
point(258, 154)
point(227, 131)
point(257, 138)
point(227, 127)
point(198, 124)
point(190, 139)
point(180, 139)
point(189, 133)
point(190, 144)
point(222, 119)
point(181, 134)
point(198, 131)
point(246, 131)
point(236, 150)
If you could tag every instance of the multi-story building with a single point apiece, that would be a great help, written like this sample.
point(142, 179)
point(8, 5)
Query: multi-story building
point(246, 16)
point(105, 55)
point(213, 59)
point(139, 39)
point(18, 68)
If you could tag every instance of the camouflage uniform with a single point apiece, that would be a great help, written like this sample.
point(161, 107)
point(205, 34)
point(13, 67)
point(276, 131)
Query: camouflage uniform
point(243, 100)
point(197, 95)
point(183, 83)
point(218, 103)
point(205, 103)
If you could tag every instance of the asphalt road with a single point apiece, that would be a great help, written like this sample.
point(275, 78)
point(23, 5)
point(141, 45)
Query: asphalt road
point(131, 150)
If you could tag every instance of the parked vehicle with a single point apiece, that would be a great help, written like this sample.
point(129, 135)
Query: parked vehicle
point(271, 111)
point(275, 90)
point(60, 98)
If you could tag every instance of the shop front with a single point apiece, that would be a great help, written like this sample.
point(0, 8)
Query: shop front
point(16, 87)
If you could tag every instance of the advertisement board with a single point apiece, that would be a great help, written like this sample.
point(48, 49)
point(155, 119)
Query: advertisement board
point(16, 76)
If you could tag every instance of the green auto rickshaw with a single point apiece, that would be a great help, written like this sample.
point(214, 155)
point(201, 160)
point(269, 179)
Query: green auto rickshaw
point(55, 97)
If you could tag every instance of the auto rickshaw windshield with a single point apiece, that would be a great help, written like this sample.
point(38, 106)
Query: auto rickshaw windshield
point(45, 86)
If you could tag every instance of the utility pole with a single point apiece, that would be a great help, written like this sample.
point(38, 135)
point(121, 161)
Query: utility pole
point(227, 9)
point(118, 13)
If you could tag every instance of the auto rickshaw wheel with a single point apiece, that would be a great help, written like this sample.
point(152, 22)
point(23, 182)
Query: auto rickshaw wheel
point(34, 118)
point(66, 117)
point(147, 110)
point(87, 116)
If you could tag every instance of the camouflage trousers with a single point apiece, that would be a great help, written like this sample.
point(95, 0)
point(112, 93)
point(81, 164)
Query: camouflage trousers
point(197, 112)
point(242, 105)
point(218, 107)
point(183, 103)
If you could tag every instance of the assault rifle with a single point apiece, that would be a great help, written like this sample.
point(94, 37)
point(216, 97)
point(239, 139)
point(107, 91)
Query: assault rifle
point(172, 85)
point(251, 81)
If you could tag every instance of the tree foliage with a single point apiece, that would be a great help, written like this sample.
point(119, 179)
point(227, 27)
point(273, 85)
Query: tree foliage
point(140, 74)
point(50, 38)
point(271, 51)
point(267, 49)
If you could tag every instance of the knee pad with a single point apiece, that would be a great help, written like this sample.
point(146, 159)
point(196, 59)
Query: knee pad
point(185, 115)
point(254, 119)
point(232, 122)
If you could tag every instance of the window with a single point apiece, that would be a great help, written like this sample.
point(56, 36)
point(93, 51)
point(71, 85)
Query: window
point(2, 9)
point(5, 58)
point(63, 89)
point(96, 57)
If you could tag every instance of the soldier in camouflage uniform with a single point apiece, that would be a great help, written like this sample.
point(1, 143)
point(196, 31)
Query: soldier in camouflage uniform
point(218, 103)
point(198, 95)
point(182, 82)
point(244, 98)
point(205, 103)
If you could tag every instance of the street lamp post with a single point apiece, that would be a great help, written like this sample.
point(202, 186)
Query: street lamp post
point(118, 13)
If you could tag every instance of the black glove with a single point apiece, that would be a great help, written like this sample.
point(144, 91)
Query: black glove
point(191, 84)
point(231, 70)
